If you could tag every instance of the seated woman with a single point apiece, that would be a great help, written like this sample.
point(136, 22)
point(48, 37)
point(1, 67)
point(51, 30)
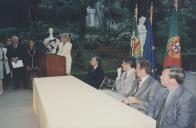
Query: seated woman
point(31, 61)
point(124, 81)
point(95, 74)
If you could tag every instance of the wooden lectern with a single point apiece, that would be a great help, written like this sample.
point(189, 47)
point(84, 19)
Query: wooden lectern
point(52, 65)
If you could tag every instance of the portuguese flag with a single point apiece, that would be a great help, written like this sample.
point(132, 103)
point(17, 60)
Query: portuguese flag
point(173, 49)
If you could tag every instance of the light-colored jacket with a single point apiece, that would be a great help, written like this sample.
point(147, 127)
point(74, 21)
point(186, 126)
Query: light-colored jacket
point(146, 93)
point(1, 64)
point(125, 82)
point(65, 50)
point(179, 112)
point(6, 64)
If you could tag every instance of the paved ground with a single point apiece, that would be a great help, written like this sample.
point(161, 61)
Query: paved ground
point(16, 110)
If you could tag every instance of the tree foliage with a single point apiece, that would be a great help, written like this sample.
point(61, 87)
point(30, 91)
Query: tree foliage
point(69, 15)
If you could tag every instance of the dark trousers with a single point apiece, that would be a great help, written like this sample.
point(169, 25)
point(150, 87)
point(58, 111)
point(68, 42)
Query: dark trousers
point(19, 78)
point(6, 80)
point(31, 74)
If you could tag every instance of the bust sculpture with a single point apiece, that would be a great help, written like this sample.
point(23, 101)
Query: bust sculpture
point(51, 43)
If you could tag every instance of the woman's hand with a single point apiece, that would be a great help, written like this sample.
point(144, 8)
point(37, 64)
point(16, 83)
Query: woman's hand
point(119, 71)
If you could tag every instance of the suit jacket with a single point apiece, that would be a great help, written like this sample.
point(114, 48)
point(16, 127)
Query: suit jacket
point(146, 93)
point(124, 84)
point(16, 52)
point(179, 112)
point(65, 49)
point(190, 82)
point(95, 77)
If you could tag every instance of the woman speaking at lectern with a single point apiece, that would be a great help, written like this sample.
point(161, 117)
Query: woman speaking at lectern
point(64, 49)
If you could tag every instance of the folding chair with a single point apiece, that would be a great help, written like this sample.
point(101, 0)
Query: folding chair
point(107, 83)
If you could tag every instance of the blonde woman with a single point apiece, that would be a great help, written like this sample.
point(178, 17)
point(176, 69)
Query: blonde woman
point(64, 49)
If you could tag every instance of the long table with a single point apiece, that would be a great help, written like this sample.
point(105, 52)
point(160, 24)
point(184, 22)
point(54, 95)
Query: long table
point(67, 102)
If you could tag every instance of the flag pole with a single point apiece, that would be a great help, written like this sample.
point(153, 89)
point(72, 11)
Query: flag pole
point(136, 17)
point(151, 12)
point(136, 13)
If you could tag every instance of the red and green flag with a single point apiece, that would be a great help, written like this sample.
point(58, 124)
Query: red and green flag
point(135, 43)
point(173, 49)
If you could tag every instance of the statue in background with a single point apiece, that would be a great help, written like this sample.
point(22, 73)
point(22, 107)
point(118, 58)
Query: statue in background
point(142, 32)
point(91, 14)
point(51, 43)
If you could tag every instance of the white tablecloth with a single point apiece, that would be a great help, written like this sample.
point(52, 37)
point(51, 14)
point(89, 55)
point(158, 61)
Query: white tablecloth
point(66, 102)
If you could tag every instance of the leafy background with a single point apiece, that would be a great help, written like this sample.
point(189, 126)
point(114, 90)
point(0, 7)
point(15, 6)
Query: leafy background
point(33, 18)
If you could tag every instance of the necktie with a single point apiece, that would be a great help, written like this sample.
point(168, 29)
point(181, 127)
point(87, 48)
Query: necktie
point(125, 76)
point(137, 87)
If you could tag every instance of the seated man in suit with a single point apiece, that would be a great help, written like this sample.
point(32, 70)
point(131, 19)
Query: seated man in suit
point(95, 74)
point(174, 106)
point(144, 89)
point(124, 81)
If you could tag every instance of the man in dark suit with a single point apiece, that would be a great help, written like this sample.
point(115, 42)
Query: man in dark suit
point(174, 106)
point(16, 53)
point(144, 89)
point(95, 74)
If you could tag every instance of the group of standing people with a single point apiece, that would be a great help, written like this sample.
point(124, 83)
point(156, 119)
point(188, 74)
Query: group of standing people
point(18, 61)
point(10, 53)
point(168, 101)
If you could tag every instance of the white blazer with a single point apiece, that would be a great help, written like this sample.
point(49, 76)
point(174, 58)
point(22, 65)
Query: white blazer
point(6, 64)
point(65, 50)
